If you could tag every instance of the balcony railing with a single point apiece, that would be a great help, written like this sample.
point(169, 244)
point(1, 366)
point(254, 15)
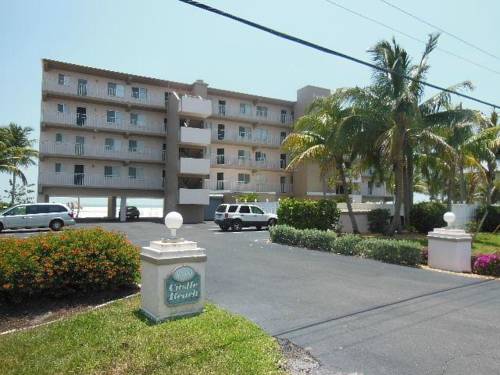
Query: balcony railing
point(251, 115)
point(100, 122)
point(223, 185)
point(246, 138)
point(222, 160)
point(195, 106)
point(92, 91)
point(99, 181)
point(92, 150)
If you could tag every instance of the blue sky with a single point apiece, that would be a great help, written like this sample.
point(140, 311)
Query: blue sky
point(171, 40)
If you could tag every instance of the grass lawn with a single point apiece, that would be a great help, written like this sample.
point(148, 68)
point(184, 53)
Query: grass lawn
point(485, 243)
point(117, 339)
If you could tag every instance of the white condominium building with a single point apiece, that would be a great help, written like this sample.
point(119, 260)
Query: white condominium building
point(111, 134)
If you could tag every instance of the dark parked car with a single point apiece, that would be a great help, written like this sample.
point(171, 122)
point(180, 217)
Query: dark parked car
point(132, 212)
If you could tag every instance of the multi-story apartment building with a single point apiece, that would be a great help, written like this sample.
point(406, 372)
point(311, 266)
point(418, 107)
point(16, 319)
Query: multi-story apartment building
point(110, 134)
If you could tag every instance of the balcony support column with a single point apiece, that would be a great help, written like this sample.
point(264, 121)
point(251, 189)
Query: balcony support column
point(111, 207)
point(123, 208)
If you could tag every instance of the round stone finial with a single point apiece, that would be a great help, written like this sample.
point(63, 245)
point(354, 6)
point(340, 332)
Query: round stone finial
point(449, 217)
point(173, 221)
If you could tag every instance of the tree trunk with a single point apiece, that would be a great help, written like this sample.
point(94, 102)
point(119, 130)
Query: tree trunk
point(398, 184)
point(408, 183)
point(450, 192)
point(323, 181)
point(354, 224)
point(463, 187)
point(13, 191)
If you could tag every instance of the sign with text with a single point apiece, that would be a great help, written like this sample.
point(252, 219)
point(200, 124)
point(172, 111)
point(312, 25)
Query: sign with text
point(182, 287)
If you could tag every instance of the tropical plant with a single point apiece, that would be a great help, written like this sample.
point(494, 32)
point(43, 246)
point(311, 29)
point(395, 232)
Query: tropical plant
point(16, 152)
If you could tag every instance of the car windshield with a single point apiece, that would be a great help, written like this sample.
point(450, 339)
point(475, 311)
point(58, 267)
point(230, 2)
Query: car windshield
point(221, 208)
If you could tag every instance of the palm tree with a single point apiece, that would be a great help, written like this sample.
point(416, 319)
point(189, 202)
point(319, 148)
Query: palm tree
point(17, 153)
point(326, 135)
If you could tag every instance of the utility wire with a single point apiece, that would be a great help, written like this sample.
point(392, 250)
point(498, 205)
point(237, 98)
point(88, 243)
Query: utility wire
point(334, 3)
point(329, 51)
point(440, 29)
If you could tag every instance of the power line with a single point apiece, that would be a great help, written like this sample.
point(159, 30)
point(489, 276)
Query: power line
point(328, 50)
point(440, 29)
point(334, 3)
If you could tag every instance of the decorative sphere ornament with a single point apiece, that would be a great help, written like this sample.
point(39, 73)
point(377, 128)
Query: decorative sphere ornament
point(449, 217)
point(173, 221)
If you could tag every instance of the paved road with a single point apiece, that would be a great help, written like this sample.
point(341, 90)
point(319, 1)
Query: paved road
point(354, 315)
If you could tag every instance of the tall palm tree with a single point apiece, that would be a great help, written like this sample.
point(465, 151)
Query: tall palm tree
point(18, 151)
point(326, 135)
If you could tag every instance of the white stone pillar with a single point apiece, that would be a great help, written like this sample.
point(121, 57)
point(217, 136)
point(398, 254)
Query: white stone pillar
point(123, 208)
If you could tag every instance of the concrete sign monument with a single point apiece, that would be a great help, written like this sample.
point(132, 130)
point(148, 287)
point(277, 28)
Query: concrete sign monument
point(449, 248)
point(173, 275)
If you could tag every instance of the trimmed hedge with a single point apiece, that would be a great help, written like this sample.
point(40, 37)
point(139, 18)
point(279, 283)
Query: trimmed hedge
point(378, 220)
point(63, 263)
point(492, 219)
point(389, 251)
point(425, 216)
point(308, 214)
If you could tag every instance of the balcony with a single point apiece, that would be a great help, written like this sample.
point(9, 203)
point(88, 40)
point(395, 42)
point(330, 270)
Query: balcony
point(194, 196)
point(98, 181)
point(194, 166)
point(252, 187)
point(246, 163)
point(93, 122)
point(93, 93)
point(195, 136)
point(270, 117)
point(195, 106)
point(228, 136)
point(92, 151)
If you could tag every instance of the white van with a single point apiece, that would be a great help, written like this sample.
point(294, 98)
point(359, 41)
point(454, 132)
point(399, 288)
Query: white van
point(39, 215)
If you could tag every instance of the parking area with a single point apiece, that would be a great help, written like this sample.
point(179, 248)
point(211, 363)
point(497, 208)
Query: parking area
point(354, 315)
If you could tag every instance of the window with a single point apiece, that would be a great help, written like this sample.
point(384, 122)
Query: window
point(220, 156)
point(113, 117)
point(243, 178)
point(109, 144)
point(244, 210)
point(82, 87)
point(220, 181)
point(283, 184)
point(232, 208)
point(108, 171)
point(262, 135)
point(58, 167)
point(81, 115)
point(132, 145)
point(115, 90)
point(282, 136)
point(221, 131)
point(257, 210)
point(283, 116)
point(242, 132)
point(20, 210)
point(222, 107)
point(53, 208)
point(261, 111)
point(260, 156)
point(140, 93)
point(59, 138)
point(221, 208)
point(245, 109)
point(370, 187)
point(62, 108)
point(135, 173)
point(165, 122)
point(242, 155)
point(283, 161)
point(134, 119)
point(63, 79)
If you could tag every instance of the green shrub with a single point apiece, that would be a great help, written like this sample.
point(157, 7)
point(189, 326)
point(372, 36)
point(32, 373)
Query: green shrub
point(391, 251)
point(310, 238)
point(378, 220)
point(346, 244)
point(67, 262)
point(492, 219)
point(308, 214)
point(425, 216)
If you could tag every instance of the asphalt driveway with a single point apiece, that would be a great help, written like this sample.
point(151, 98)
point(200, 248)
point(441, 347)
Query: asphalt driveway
point(354, 315)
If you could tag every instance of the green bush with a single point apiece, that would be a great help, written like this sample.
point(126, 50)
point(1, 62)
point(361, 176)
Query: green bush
point(64, 263)
point(346, 244)
point(391, 251)
point(311, 238)
point(378, 220)
point(492, 219)
point(425, 216)
point(308, 214)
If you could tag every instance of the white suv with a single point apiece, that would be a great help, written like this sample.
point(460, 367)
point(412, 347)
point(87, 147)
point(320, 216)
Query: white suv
point(238, 216)
point(39, 215)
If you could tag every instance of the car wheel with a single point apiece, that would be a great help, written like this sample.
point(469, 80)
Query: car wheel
point(259, 227)
point(237, 225)
point(224, 228)
point(271, 222)
point(56, 225)
point(1, 227)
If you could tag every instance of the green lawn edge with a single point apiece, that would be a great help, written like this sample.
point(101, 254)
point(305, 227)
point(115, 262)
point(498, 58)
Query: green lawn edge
point(118, 339)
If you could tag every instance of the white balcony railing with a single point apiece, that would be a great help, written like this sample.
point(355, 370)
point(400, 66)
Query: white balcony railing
point(195, 136)
point(222, 160)
point(194, 166)
point(90, 90)
point(252, 115)
point(223, 185)
point(246, 138)
point(99, 181)
point(195, 106)
point(91, 150)
point(100, 122)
